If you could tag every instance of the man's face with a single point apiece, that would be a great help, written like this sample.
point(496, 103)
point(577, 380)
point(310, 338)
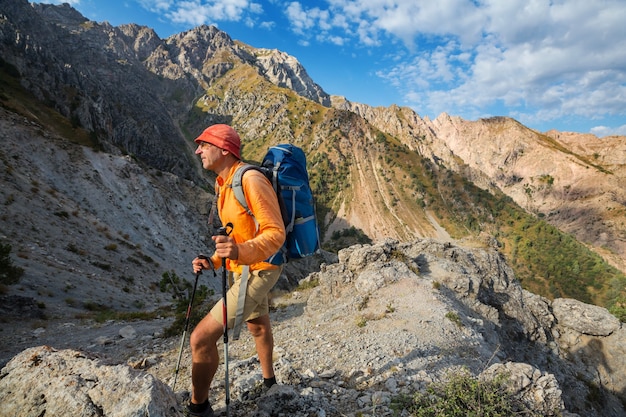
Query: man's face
point(209, 154)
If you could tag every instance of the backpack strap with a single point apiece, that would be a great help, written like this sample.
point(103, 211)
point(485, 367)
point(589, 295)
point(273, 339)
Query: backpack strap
point(237, 186)
point(241, 301)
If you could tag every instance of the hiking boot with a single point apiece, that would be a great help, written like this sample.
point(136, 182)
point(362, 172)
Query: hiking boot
point(259, 390)
point(208, 412)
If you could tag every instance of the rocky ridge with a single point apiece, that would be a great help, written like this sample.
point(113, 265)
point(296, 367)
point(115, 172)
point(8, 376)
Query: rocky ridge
point(384, 320)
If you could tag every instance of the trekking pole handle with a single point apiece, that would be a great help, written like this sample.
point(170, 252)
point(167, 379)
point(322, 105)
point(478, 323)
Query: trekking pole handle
point(225, 230)
point(204, 258)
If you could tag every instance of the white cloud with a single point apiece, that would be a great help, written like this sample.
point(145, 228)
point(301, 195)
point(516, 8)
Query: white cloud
point(540, 59)
point(198, 12)
point(156, 5)
point(300, 20)
point(70, 2)
point(316, 23)
point(267, 25)
point(407, 19)
point(603, 131)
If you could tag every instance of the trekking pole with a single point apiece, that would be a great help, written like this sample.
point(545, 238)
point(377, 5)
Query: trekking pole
point(187, 316)
point(224, 232)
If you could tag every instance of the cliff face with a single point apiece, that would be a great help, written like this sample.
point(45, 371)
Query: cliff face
point(92, 74)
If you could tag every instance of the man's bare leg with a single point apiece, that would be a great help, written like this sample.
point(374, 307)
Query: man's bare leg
point(205, 357)
point(261, 331)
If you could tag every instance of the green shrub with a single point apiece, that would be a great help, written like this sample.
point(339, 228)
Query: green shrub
point(619, 309)
point(462, 396)
point(181, 291)
point(111, 247)
point(454, 318)
point(9, 273)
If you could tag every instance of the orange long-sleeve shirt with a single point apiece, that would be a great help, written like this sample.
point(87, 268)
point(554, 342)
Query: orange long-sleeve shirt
point(253, 246)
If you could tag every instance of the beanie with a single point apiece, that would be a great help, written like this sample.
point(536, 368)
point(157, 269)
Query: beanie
point(222, 136)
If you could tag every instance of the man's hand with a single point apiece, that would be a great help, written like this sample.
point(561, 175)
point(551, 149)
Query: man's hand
point(200, 263)
point(226, 247)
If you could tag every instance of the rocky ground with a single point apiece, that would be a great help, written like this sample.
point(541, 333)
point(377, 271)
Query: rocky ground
point(377, 325)
point(402, 331)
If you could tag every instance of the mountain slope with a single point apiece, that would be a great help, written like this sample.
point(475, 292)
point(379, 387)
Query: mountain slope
point(576, 182)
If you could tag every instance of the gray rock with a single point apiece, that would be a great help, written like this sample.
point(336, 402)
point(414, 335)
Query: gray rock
point(128, 332)
point(584, 318)
point(538, 391)
point(43, 381)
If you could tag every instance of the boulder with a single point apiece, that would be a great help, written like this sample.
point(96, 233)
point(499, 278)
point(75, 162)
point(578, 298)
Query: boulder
point(584, 318)
point(538, 391)
point(44, 381)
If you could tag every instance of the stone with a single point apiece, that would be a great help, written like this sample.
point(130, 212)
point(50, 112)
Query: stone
point(44, 381)
point(584, 318)
point(128, 332)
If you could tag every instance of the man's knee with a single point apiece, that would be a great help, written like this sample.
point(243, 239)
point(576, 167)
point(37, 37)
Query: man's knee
point(259, 327)
point(256, 330)
point(195, 339)
point(204, 335)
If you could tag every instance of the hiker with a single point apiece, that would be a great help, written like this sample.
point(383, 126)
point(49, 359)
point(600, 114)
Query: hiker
point(251, 241)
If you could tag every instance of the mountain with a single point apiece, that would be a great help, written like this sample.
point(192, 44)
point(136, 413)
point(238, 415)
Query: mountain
point(376, 172)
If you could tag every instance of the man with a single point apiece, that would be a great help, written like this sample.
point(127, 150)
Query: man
point(249, 243)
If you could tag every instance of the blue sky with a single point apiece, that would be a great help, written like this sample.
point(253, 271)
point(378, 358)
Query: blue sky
point(551, 64)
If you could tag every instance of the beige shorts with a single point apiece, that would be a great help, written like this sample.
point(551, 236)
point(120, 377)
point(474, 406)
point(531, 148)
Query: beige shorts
point(257, 303)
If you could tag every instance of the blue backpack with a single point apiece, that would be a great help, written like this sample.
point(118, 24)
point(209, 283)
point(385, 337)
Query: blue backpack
point(285, 167)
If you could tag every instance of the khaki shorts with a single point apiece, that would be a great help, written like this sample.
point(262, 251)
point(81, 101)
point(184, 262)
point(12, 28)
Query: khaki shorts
point(257, 303)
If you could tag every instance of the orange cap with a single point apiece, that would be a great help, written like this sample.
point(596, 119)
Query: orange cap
point(222, 136)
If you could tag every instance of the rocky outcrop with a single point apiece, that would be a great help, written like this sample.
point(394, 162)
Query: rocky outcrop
point(384, 320)
point(43, 381)
point(285, 71)
point(547, 340)
point(584, 318)
point(538, 391)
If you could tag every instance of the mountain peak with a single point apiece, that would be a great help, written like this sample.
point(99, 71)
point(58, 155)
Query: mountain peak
point(286, 71)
